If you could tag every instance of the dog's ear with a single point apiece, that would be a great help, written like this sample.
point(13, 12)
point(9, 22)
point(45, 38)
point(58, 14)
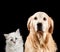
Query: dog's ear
point(28, 23)
point(51, 28)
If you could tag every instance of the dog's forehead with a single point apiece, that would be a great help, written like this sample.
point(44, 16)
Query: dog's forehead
point(40, 14)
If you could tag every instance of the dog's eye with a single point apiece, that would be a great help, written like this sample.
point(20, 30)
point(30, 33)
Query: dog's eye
point(35, 18)
point(44, 19)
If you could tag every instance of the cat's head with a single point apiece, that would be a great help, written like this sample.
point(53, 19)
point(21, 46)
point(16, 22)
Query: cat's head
point(13, 38)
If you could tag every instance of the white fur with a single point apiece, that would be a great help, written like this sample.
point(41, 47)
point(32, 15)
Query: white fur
point(10, 45)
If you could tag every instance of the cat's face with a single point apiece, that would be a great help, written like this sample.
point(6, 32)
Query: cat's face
point(13, 38)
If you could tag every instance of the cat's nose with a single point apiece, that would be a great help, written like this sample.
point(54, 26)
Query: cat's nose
point(14, 42)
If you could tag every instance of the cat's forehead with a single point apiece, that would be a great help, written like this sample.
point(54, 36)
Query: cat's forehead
point(13, 34)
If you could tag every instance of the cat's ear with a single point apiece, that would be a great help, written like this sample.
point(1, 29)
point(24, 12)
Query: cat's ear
point(17, 31)
point(6, 35)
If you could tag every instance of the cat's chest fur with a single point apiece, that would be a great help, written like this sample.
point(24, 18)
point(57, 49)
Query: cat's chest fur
point(14, 48)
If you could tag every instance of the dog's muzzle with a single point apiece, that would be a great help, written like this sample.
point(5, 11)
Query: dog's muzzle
point(39, 26)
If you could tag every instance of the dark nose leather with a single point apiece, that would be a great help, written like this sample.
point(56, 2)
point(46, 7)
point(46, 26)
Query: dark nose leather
point(39, 26)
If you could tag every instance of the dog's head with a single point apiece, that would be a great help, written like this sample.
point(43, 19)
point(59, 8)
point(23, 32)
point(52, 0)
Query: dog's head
point(40, 22)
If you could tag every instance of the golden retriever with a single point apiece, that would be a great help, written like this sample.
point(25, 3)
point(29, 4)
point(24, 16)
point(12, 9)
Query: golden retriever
point(40, 37)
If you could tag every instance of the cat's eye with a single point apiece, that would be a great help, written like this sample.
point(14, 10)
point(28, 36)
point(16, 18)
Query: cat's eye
point(15, 38)
point(35, 18)
point(11, 40)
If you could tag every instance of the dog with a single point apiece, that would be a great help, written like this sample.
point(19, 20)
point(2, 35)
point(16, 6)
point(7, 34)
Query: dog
point(40, 39)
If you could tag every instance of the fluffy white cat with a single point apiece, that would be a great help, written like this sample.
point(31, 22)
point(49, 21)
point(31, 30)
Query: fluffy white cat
point(14, 42)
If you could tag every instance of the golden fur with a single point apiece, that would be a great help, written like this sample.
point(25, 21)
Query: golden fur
point(37, 41)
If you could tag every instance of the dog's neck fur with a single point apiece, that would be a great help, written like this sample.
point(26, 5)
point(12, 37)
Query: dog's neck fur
point(38, 38)
point(46, 43)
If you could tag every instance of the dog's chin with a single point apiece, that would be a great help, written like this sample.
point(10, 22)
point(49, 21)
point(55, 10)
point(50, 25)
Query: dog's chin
point(40, 32)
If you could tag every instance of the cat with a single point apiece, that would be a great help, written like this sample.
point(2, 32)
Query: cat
point(14, 42)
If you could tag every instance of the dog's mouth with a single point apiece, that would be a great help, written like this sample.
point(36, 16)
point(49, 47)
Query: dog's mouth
point(40, 32)
point(39, 29)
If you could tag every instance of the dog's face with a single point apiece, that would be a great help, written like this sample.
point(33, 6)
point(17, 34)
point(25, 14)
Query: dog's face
point(40, 22)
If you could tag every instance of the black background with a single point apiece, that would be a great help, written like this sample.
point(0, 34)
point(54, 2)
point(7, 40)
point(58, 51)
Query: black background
point(14, 15)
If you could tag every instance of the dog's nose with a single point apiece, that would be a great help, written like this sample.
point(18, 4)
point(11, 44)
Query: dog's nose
point(39, 26)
